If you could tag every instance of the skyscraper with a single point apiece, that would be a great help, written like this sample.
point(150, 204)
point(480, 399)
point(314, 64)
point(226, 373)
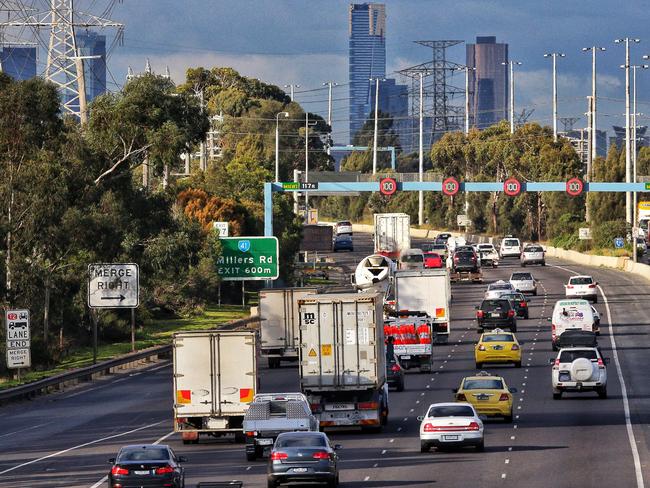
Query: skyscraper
point(91, 43)
point(367, 58)
point(18, 62)
point(488, 82)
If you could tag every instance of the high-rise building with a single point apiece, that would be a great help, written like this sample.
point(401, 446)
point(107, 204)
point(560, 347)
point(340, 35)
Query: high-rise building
point(91, 43)
point(18, 62)
point(367, 58)
point(488, 82)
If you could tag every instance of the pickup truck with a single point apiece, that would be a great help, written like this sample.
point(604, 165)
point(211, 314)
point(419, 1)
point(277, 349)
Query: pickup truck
point(270, 414)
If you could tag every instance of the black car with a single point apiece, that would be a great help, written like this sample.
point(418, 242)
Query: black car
point(496, 312)
point(303, 457)
point(147, 465)
point(394, 374)
point(343, 241)
point(443, 237)
point(465, 261)
point(520, 302)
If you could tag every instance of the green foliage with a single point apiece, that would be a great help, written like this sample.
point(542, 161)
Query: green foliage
point(604, 233)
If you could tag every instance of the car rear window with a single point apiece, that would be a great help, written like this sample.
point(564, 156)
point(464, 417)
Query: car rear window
point(514, 296)
point(144, 454)
point(344, 222)
point(486, 247)
point(511, 242)
point(412, 258)
point(495, 305)
point(500, 286)
point(498, 338)
point(301, 441)
point(433, 255)
point(483, 384)
point(521, 277)
point(583, 280)
point(533, 249)
point(451, 411)
point(570, 356)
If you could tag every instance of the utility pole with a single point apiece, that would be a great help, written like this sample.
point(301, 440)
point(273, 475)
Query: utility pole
point(374, 144)
point(590, 155)
point(202, 159)
point(466, 69)
point(307, 124)
point(512, 93)
point(634, 153)
point(277, 144)
point(421, 151)
point(594, 138)
point(329, 85)
point(628, 146)
point(291, 88)
point(554, 57)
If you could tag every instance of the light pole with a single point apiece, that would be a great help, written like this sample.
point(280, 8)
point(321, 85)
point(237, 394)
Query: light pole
point(628, 146)
point(421, 148)
point(554, 57)
point(593, 152)
point(277, 144)
point(374, 143)
point(307, 124)
point(512, 93)
point(635, 149)
point(466, 69)
point(329, 85)
point(291, 88)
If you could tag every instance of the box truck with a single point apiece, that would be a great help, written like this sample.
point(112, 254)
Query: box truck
point(215, 379)
point(280, 325)
point(426, 290)
point(392, 234)
point(343, 359)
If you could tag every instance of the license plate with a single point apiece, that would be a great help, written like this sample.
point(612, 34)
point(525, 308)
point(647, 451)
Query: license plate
point(497, 348)
point(339, 406)
point(141, 472)
point(450, 437)
point(299, 470)
point(495, 315)
point(405, 357)
point(265, 442)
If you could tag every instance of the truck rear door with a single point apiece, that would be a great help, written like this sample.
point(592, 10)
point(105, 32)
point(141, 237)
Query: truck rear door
point(193, 373)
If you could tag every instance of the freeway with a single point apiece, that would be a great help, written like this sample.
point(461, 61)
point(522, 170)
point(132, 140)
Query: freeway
point(64, 439)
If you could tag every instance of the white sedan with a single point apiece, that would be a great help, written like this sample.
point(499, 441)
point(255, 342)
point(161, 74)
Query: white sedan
point(495, 290)
point(451, 425)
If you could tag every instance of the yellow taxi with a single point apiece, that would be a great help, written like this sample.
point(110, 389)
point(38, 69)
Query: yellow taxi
point(497, 346)
point(489, 395)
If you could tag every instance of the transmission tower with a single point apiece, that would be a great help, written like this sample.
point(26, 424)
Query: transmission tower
point(567, 122)
point(523, 117)
point(64, 65)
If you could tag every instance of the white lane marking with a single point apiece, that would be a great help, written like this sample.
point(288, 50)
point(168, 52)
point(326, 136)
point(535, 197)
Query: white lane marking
point(514, 426)
point(503, 475)
point(383, 451)
point(392, 440)
point(164, 437)
point(26, 428)
point(417, 401)
point(422, 394)
point(375, 465)
point(249, 468)
point(399, 429)
point(507, 461)
point(79, 446)
point(412, 410)
point(510, 449)
point(512, 437)
point(366, 478)
point(626, 402)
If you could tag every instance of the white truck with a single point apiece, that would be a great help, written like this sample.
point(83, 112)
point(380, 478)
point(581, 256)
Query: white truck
point(392, 234)
point(643, 218)
point(343, 359)
point(426, 290)
point(279, 329)
point(215, 380)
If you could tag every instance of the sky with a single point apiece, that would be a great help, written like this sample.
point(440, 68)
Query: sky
point(305, 42)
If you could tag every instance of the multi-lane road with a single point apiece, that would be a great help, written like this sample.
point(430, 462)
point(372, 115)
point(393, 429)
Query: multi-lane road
point(65, 439)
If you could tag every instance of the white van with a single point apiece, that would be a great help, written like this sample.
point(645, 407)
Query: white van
point(571, 315)
point(510, 247)
point(411, 259)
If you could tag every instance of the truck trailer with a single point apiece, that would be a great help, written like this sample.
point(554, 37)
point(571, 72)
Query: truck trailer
point(392, 234)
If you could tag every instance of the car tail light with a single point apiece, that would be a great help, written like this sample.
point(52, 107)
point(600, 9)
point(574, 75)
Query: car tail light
point(593, 285)
point(511, 313)
point(523, 304)
point(164, 470)
point(556, 364)
point(395, 368)
point(118, 470)
point(601, 364)
point(473, 258)
point(461, 397)
point(367, 405)
point(481, 347)
point(321, 455)
point(429, 428)
point(569, 286)
point(181, 420)
point(504, 397)
point(455, 259)
point(278, 456)
point(315, 407)
point(515, 347)
point(553, 331)
point(480, 314)
point(442, 326)
point(251, 433)
point(473, 426)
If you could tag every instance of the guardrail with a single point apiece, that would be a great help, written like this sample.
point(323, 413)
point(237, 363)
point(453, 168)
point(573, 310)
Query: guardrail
point(89, 373)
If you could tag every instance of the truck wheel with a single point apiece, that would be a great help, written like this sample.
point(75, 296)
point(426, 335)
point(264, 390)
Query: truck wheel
point(240, 438)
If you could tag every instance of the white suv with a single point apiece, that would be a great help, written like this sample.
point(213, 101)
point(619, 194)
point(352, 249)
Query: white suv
point(510, 247)
point(533, 254)
point(582, 287)
point(579, 369)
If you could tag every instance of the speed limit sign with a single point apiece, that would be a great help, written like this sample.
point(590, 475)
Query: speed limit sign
point(512, 187)
point(450, 186)
point(574, 187)
point(387, 186)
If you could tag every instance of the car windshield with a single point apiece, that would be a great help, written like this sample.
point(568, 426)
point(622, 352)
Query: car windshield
point(582, 280)
point(521, 277)
point(495, 305)
point(570, 356)
point(483, 384)
point(343, 238)
point(301, 441)
point(451, 411)
point(498, 338)
point(144, 454)
point(533, 249)
point(465, 255)
point(511, 242)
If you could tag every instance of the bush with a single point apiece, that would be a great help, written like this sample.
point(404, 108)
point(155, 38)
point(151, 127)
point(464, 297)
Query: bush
point(604, 233)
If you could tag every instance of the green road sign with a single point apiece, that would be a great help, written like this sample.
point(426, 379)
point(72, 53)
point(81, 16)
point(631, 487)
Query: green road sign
point(248, 258)
point(647, 186)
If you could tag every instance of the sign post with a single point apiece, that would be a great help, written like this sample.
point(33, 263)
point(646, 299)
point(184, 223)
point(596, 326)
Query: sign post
point(18, 339)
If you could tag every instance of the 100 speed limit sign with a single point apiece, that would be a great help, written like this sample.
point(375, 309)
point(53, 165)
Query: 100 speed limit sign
point(574, 187)
point(512, 187)
point(450, 186)
point(387, 186)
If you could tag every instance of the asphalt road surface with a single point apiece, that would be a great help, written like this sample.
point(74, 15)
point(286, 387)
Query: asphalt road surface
point(65, 439)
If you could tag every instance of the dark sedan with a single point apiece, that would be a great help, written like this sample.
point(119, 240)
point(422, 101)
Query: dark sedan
point(303, 457)
point(520, 302)
point(465, 261)
point(394, 374)
point(343, 242)
point(496, 312)
point(146, 465)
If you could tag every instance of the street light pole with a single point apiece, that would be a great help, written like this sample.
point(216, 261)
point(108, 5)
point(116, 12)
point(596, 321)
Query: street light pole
point(512, 93)
point(635, 150)
point(554, 57)
point(374, 143)
point(307, 124)
point(277, 144)
point(593, 153)
point(421, 151)
point(628, 146)
point(329, 85)
point(291, 88)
